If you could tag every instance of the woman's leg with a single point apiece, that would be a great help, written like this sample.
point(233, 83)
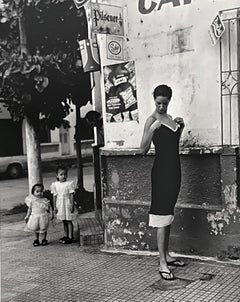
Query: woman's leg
point(162, 248)
point(169, 258)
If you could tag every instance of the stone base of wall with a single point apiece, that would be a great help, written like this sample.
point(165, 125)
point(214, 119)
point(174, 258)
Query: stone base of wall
point(207, 216)
point(208, 232)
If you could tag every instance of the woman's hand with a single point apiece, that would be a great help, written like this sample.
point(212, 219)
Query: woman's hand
point(155, 125)
point(180, 121)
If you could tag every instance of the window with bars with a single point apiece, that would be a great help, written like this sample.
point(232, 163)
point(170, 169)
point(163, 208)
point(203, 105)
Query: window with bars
point(230, 78)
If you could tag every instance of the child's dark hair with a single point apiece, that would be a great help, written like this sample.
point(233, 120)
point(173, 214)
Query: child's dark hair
point(35, 186)
point(61, 167)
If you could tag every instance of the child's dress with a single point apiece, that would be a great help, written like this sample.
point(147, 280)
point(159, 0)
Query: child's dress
point(62, 191)
point(40, 217)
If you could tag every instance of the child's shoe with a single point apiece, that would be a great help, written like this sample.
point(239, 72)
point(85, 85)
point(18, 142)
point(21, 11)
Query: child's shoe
point(63, 240)
point(36, 242)
point(44, 242)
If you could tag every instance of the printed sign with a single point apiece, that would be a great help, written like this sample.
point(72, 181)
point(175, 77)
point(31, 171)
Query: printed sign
point(120, 92)
point(115, 48)
point(89, 54)
point(79, 3)
point(107, 19)
point(216, 30)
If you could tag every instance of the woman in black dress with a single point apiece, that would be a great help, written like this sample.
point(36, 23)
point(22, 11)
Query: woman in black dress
point(165, 133)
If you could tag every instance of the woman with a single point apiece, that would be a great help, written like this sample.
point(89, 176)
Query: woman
point(165, 133)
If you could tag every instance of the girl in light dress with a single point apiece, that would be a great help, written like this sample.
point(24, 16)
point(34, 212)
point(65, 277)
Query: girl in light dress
point(38, 214)
point(63, 191)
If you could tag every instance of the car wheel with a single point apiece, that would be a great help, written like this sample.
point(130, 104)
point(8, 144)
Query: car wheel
point(14, 171)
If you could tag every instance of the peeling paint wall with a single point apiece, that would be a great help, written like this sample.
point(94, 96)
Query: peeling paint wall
point(207, 215)
point(172, 46)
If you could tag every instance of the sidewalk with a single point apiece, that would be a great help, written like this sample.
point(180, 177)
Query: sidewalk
point(69, 273)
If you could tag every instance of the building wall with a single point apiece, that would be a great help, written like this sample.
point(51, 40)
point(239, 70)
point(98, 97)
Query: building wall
point(172, 46)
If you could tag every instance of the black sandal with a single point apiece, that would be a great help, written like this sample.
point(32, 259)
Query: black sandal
point(36, 242)
point(171, 277)
point(45, 242)
point(176, 262)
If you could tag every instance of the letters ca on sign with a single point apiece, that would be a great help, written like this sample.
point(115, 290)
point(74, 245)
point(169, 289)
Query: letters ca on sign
point(146, 7)
point(107, 19)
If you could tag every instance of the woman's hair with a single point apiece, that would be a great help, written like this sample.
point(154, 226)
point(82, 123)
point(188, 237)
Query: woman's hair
point(162, 90)
point(35, 186)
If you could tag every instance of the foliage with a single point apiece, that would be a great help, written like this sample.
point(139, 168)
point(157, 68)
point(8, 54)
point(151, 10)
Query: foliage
point(42, 81)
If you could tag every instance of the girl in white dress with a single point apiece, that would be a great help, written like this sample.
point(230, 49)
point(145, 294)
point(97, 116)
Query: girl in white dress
point(38, 214)
point(63, 191)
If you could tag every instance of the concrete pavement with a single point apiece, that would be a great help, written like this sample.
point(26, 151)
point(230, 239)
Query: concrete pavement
point(69, 273)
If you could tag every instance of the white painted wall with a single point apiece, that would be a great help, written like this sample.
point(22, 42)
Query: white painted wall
point(193, 74)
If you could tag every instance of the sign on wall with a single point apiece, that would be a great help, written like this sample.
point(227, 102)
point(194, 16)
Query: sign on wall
point(120, 92)
point(115, 48)
point(216, 30)
point(89, 54)
point(79, 3)
point(107, 19)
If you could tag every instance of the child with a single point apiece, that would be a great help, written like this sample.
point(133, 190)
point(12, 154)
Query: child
point(63, 191)
point(37, 218)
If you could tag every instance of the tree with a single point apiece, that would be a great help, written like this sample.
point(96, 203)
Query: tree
point(40, 67)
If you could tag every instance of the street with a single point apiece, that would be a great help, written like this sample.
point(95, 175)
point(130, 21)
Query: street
point(14, 191)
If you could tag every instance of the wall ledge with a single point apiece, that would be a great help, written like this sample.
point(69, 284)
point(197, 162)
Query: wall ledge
point(225, 150)
point(147, 203)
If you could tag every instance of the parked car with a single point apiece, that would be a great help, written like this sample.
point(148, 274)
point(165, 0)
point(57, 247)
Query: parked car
point(13, 166)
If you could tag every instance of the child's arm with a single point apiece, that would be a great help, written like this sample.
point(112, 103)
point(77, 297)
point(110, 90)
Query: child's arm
point(28, 214)
point(54, 204)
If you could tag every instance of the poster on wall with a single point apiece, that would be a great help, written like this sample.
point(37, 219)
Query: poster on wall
point(114, 47)
point(216, 30)
point(89, 54)
point(107, 19)
point(120, 92)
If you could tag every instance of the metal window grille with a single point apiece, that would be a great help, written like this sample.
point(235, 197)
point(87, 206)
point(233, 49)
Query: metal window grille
point(230, 78)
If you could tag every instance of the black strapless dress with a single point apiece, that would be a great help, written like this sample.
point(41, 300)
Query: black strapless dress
point(166, 171)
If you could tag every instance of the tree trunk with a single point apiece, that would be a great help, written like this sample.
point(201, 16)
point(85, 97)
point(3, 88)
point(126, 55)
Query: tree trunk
point(33, 155)
point(32, 142)
point(79, 150)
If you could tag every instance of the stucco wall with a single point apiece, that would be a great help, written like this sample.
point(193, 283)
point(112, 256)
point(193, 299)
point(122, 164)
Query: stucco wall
point(207, 216)
point(172, 46)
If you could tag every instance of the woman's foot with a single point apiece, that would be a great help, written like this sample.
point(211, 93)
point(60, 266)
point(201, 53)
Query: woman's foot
point(165, 272)
point(44, 242)
point(36, 242)
point(174, 261)
point(166, 275)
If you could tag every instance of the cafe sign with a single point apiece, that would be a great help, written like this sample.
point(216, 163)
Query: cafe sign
point(107, 19)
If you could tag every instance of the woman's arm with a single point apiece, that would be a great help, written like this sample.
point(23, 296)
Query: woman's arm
point(150, 126)
point(180, 121)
